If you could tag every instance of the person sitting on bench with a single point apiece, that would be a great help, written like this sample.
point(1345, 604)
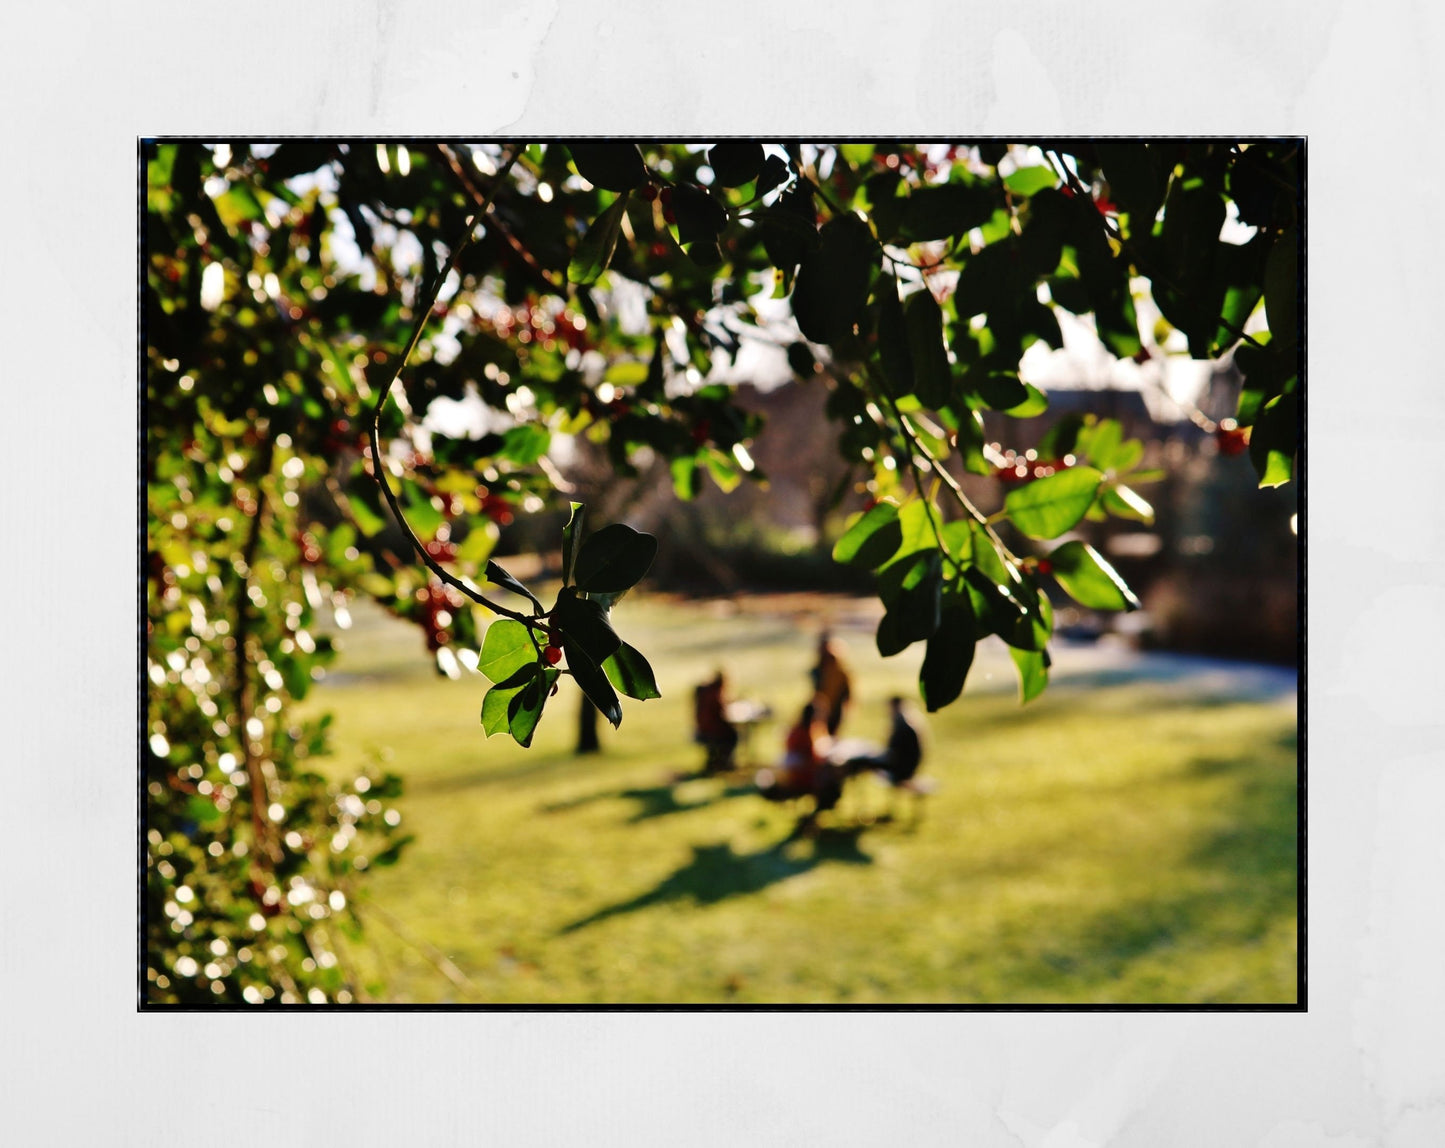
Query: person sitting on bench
point(712, 730)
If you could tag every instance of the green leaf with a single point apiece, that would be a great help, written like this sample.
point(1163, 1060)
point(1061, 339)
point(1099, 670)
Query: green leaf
point(832, 286)
point(913, 586)
point(1281, 288)
point(496, 706)
point(1049, 506)
point(932, 375)
point(949, 655)
point(893, 353)
point(500, 577)
point(569, 540)
point(611, 166)
point(1089, 580)
point(506, 648)
point(735, 163)
point(1137, 179)
point(591, 679)
point(594, 253)
point(614, 559)
point(872, 539)
point(1100, 443)
point(1000, 390)
point(1034, 405)
point(586, 624)
point(1029, 180)
point(686, 478)
point(943, 212)
point(525, 444)
point(1033, 671)
point(1275, 439)
point(524, 708)
point(1062, 438)
point(425, 519)
point(629, 672)
point(1123, 501)
point(699, 216)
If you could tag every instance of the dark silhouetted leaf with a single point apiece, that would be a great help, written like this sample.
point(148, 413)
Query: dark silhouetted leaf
point(932, 374)
point(569, 541)
point(594, 253)
point(736, 163)
point(613, 166)
point(949, 655)
point(614, 559)
point(586, 625)
point(832, 286)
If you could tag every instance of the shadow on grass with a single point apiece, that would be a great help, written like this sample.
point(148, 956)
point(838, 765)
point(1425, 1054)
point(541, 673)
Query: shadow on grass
point(655, 800)
point(716, 873)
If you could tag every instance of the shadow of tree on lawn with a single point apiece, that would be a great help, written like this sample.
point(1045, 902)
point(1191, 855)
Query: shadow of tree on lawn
point(716, 873)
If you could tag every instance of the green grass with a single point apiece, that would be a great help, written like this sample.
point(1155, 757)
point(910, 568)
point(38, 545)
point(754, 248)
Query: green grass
point(1118, 840)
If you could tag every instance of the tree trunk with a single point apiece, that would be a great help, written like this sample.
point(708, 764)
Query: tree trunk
point(587, 728)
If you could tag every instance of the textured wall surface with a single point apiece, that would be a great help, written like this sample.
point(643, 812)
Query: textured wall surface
point(1364, 1066)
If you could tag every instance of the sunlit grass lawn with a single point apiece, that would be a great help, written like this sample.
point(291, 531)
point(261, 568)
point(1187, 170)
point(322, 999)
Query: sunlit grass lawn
point(1115, 841)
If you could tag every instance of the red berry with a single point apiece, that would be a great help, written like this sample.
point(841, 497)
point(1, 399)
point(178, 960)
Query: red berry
point(1045, 566)
point(552, 655)
point(1231, 440)
point(659, 250)
point(666, 196)
point(701, 432)
point(649, 192)
point(669, 215)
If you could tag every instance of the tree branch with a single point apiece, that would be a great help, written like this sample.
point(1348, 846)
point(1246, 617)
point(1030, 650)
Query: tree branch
point(424, 310)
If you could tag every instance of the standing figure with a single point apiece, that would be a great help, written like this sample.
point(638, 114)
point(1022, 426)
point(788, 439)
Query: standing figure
point(832, 686)
point(711, 728)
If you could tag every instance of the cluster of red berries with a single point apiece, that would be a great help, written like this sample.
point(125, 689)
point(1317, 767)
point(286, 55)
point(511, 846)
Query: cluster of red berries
point(495, 507)
point(440, 551)
point(1021, 468)
point(310, 551)
point(438, 603)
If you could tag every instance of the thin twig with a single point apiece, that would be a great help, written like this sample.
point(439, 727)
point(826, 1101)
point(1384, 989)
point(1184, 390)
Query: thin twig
point(423, 314)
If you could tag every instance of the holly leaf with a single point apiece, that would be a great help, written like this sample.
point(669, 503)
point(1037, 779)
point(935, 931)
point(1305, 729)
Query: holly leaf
point(569, 540)
point(832, 284)
point(506, 648)
point(1089, 580)
point(1049, 506)
point(612, 166)
point(949, 655)
point(1123, 501)
point(591, 679)
point(932, 375)
point(872, 540)
point(628, 670)
point(586, 624)
point(594, 253)
point(893, 354)
point(500, 577)
point(736, 163)
point(1033, 671)
point(614, 559)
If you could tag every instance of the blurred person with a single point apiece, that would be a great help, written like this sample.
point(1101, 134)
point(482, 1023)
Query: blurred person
point(711, 727)
point(832, 686)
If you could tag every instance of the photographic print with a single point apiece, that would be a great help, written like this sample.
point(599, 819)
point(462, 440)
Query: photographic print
point(731, 573)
